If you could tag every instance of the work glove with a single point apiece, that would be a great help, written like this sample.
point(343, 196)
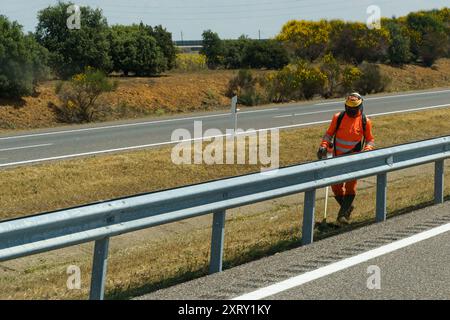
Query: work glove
point(322, 153)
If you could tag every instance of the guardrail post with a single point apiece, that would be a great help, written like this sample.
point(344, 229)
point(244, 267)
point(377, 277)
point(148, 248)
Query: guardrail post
point(308, 217)
point(217, 239)
point(99, 266)
point(439, 181)
point(381, 197)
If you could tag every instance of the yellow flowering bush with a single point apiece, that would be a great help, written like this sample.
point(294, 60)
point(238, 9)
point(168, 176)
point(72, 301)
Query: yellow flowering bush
point(296, 81)
point(190, 62)
point(307, 39)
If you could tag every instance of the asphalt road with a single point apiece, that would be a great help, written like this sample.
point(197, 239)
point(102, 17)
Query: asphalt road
point(75, 141)
point(411, 253)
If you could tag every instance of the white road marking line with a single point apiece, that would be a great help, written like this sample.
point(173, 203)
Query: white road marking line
point(284, 116)
point(388, 97)
point(306, 113)
point(209, 137)
point(253, 111)
point(104, 151)
point(324, 111)
point(27, 147)
point(342, 264)
point(130, 124)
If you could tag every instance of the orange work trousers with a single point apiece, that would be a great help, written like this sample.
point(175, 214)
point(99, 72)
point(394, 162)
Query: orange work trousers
point(345, 189)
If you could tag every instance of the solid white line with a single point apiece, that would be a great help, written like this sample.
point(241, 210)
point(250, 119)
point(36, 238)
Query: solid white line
point(284, 116)
point(388, 97)
point(104, 151)
point(324, 111)
point(410, 110)
point(305, 113)
point(130, 124)
point(253, 111)
point(250, 131)
point(27, 147)
point(341, 265)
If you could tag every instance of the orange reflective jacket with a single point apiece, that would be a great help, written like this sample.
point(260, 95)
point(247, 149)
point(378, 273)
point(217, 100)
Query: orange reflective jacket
point(349, 134)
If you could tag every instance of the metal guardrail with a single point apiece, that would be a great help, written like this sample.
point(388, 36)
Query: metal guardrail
point(98, 222)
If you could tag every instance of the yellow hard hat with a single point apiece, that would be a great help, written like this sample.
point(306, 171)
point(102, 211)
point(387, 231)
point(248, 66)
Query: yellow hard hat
point(353, 100)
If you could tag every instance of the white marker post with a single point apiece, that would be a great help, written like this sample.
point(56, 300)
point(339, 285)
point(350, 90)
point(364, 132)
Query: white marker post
point(329, 155)
point(234, 111)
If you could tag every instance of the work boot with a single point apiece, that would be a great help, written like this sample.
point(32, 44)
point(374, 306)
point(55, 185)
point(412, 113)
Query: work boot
point(346, 209)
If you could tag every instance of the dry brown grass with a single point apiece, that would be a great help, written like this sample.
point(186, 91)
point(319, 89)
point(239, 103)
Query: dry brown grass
point(155, 263)
point(51, 186)
point(412, 77)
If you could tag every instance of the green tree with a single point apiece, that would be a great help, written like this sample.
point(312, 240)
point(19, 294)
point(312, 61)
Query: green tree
point(234, 51)
point(134, 49)
point(22, 61)
point(72, 50)
point(268, 54)
point(213, 49)
point(164, 40)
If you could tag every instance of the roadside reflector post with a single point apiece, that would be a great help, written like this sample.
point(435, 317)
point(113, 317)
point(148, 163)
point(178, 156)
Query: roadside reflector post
point(234, 111)
point(439, 181)
point(217, 240)
point(308, 217)
point(99, 268)
point(381, 197)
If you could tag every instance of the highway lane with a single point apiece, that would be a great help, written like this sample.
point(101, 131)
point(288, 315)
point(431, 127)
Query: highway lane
point(44, 145)
point(416, 272)
point(411, 252)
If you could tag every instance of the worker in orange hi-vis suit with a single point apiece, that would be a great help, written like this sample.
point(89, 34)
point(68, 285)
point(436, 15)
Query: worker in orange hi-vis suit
point(349, 132)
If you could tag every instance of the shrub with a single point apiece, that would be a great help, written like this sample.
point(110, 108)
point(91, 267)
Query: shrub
point(331, 68)
point(269, 54)
point(429, 34)
point(296, 81)
point(398, 51)
point(306, 39)
point(247, 87)
point(190, 62)
point(371, 79)
point(433, 46)
point(350, 76)
point(234, 52)
point(80, 95)
point(354, 42)
point(22, 61)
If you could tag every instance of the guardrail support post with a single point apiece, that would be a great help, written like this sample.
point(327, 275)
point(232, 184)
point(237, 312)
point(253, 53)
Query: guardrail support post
point(439, 181)
point(99, 266)
point(217, 239)
point(308, 217)
point(381, 197)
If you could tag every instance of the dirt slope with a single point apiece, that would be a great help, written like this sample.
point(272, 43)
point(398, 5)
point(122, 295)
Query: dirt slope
point(183, 92)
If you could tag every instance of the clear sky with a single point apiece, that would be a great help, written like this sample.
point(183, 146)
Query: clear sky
point(229, 18)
